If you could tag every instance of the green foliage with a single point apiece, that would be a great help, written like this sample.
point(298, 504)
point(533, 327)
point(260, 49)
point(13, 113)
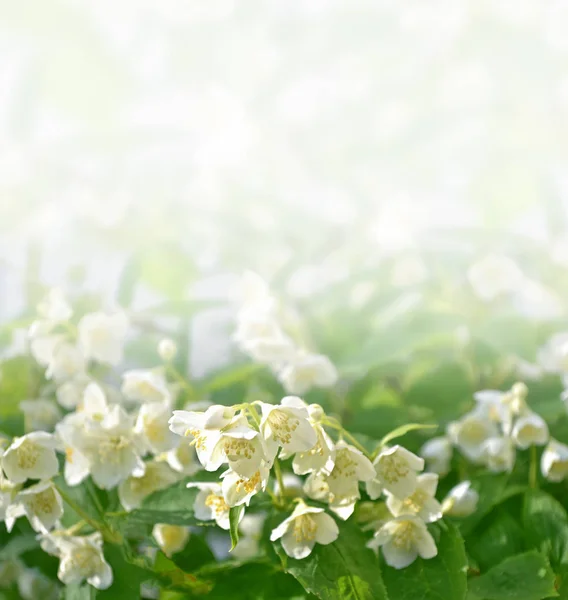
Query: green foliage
point(343, 570)
point(441, 577)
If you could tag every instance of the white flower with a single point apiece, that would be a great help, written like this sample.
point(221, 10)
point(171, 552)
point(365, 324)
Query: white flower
point(133, 490)
point(170, 538)
point(499, 454)
point(321, 456)
point(239, 490)
point(396, 470)
point(554, 461)
point(31, 456)
point(461, 500)
point(305, 527)
point(259, 335)
point(33, 584)
point(41, 414)
point(421, 502)
point(43, 342)
point(350, 467)
point(167, 349)
point(437, 452)
point(54, 307)
point(292, 486)
point(403, 539)
point(40, 503)
point(530, 429)
point(471, 431)
point(493, 276)
point(553, 356)
point(307, 370)
point(70, 394)
point(101, 336)
point(248, 547)
point(106, 447)
point(287, 425)
point(210, 504)
point(183, 459)
point(152, 424)
point(81, 558)
point(144, 385)
point(7, 492)
point(66, 361)
point(204, 427)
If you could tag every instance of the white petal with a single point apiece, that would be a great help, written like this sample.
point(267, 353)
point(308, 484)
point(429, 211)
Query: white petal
point(294, 549)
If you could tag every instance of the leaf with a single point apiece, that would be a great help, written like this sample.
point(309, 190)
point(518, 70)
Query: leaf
point(526, 576)
point(343, 570)
point(235, 515)
point(440, 578)
point(171, 506)
point(403, 430)
point(545, 524)
point(171, 574)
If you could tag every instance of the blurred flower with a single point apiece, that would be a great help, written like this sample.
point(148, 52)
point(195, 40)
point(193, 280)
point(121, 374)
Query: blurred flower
point(421, 502)
point(144, 385)
point(101, 336)
point(167, 349)
point(170, 538)
point(156, 476)
point(40, 414)
point(40, 503)
point(437, 452)
point(461, 500)
point(31, 456)
point(493, 276)
point(554, 461)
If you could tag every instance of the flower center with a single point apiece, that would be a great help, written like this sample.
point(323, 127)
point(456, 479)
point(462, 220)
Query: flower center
point(393, 468)
point(304, 529)
point(217, 504)
point(237, 448)
point(28, 454)
point(249, 485)
point(198, 440)
point(344, 465)
point(403, 537)
point(43, 502)
point(283, 425)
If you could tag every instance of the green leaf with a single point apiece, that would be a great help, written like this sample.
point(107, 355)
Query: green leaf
point(403, 430)
point(19, 380)
point(440, 578)
point(171, 506)
point(523, 577)
point(235, 515)
point(343, 570)
point(545, 524)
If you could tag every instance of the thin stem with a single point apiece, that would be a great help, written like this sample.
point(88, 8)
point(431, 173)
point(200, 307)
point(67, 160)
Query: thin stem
point(78, 509)
point(334, 425)
point(173, 372)
point(278, 473)
point(254, 414)
point(533, 468)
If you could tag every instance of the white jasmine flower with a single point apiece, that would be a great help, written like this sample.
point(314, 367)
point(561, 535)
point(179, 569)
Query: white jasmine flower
point(43, 342)
point(537, 302)
point(81, 558)
point(101, 336)
point(204, 427)
point(494, 276)
point(305, 527)
point(321, 456)
point(292, 486)
point(530, 429)
point(70, 394)
point(396, 471)
point(350, 467)
point(40, 503)
point(239, 490)
point(107, 448)
point(170, 538)
point(470, 432)
point(7, 492)
point(307, 370)
point(133, 490)
point(554, 461)
point(167, 349)
point(403, 539)
point(41, 414)
point(421, 502)
point(31, 456)
point(499, 454)
point(210, 504)
point(54, 307)
point(287, 425)
point(254, 293)
point(144, 385)
point(437, 452)
point(183, 459)
point(152, 424)
point(274, 351)
point(461, 500)
point(553, 356)
point(66, 361)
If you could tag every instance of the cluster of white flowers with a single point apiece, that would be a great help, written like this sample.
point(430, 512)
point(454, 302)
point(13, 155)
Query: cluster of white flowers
point(490, 434)
point(261, 335)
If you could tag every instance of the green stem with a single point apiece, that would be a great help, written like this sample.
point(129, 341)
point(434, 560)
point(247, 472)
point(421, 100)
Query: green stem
point(279, 479)
point(533, 468)
point(347, 436)
point(78, 509)
point(175, 374)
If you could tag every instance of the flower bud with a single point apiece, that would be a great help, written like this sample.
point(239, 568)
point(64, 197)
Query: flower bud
point(167, 349)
